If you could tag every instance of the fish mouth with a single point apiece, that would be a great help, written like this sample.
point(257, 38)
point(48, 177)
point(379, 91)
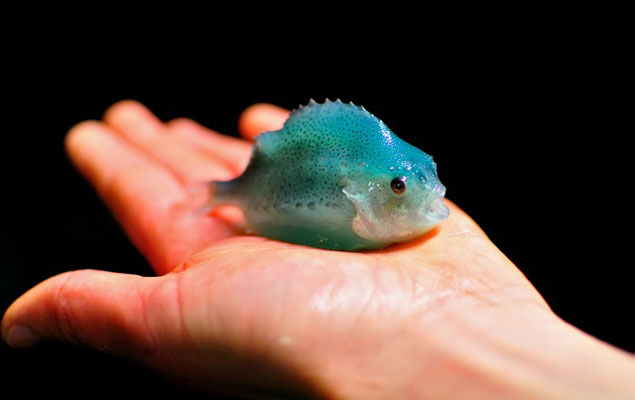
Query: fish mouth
point(437, 211)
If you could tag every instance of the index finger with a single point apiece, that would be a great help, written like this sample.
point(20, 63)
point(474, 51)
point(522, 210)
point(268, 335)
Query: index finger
point(152, 206)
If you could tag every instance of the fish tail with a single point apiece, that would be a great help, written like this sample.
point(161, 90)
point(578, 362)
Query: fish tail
point(223, 192)
point(219, 193)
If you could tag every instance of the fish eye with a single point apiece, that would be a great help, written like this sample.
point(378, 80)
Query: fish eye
point(398, 185)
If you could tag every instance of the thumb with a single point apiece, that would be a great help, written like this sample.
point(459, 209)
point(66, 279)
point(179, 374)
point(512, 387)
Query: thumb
point(108, 311)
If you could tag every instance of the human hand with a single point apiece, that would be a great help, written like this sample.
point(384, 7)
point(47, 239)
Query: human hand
point(244, 314)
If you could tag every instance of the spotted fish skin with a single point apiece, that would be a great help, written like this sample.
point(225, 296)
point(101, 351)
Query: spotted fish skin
point(326, 179)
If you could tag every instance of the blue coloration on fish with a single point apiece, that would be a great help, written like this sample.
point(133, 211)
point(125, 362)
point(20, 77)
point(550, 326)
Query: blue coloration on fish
point(336, 177)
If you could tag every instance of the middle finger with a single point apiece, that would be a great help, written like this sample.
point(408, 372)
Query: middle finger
point(232, 151)
point(187, 162)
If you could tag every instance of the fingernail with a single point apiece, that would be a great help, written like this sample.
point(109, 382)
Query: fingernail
point(21, 336)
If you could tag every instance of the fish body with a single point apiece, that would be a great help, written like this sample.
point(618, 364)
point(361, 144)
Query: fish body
point(336, 177)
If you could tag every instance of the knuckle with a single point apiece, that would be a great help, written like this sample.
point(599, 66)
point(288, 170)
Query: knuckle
point(66, 304)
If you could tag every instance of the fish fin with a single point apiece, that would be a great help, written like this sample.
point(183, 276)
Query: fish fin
point(361, 223)
point(223, 192)
point(316, 112)
point(216, 193)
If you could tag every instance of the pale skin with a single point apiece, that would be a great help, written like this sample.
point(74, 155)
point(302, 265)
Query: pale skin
point(445, 316)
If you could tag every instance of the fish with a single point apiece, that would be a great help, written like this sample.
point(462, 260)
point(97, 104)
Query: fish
point(336, 177)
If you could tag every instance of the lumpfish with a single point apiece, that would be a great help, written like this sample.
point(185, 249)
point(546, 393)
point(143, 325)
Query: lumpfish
point(335, 177)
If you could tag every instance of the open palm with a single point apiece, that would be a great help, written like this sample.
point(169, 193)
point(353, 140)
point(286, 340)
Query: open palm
point(239, 313)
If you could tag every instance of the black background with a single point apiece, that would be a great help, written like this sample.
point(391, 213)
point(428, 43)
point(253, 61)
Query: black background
point(530, 149)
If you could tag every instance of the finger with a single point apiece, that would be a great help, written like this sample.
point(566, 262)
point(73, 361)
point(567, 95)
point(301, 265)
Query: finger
point(232, 151)
point(261, 118)
point(118, 313)
point(151, 205)
point(101, 156)
point(140, 127)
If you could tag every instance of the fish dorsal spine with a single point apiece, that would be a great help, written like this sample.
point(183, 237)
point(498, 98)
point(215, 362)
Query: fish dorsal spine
point(332, 123)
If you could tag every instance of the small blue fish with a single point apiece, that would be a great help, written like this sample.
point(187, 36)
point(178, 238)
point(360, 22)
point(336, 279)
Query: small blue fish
point(335, 177)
